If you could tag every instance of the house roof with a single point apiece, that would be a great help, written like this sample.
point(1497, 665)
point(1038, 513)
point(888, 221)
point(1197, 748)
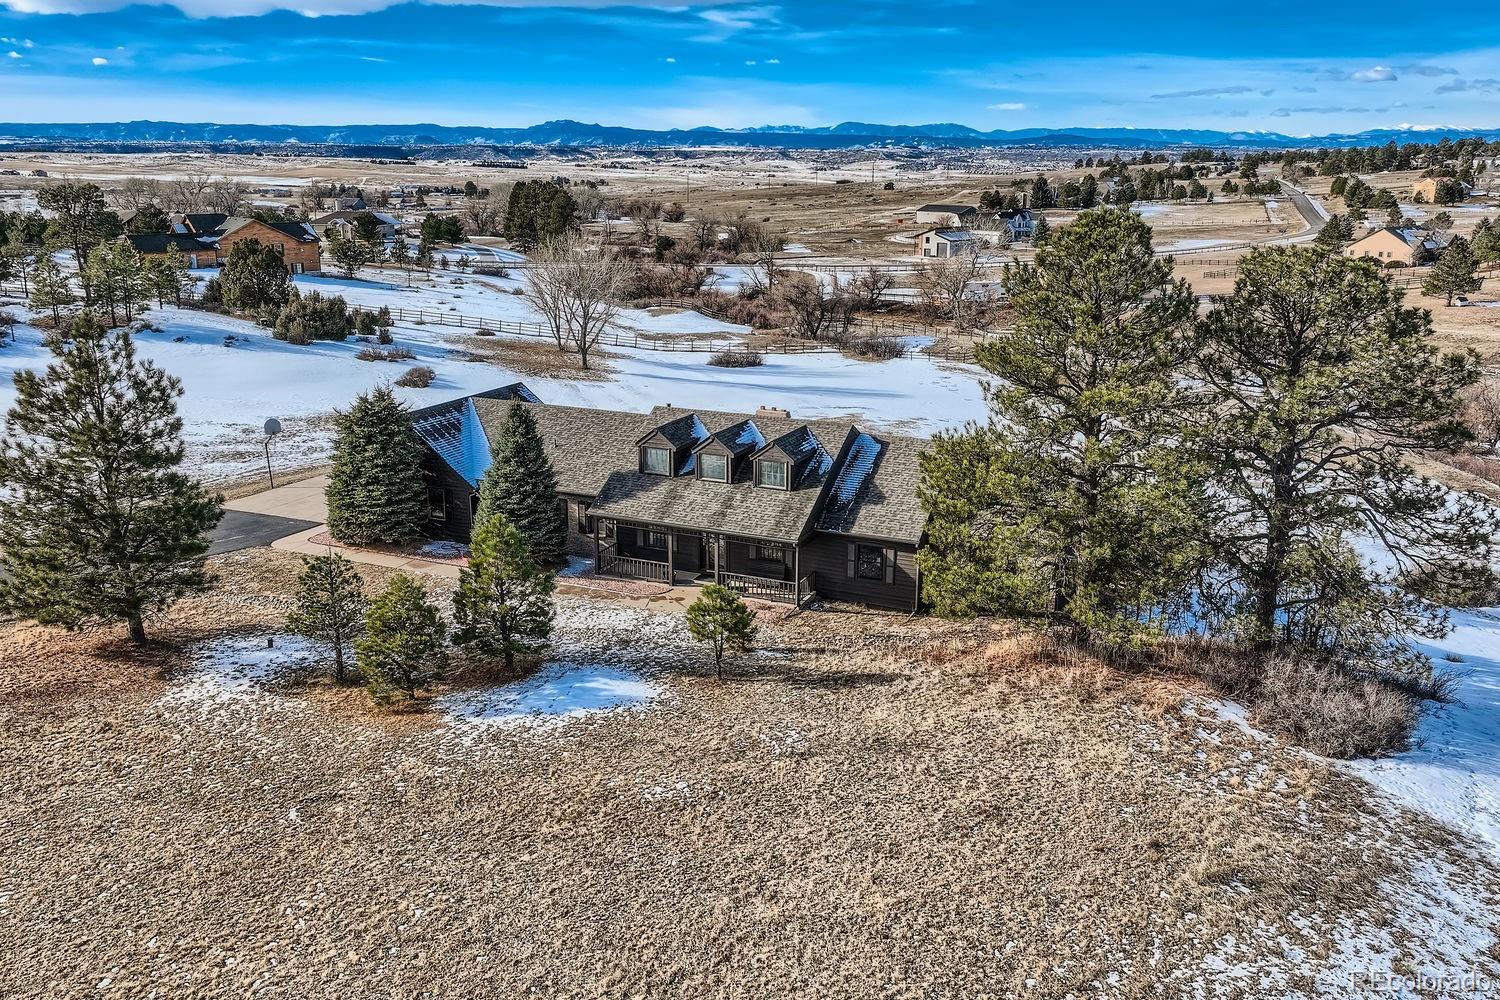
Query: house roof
point(952, 209)
point(349, 215)
point(1417, 239)
point(299, 231)
point(867, 490)
point(204, 222)
point(159, 243)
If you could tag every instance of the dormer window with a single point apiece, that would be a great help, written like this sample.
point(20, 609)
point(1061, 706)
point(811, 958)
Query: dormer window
point(714, 468)
point(656, 461)
point(773, 475)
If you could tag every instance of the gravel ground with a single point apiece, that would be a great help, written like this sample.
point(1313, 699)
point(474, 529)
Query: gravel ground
point(869, 808)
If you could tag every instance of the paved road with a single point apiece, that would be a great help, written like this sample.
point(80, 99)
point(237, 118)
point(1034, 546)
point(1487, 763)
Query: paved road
point(1311, 214)
point(243, 530)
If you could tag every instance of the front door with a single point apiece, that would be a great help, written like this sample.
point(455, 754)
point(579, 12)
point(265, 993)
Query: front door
point(709, 545)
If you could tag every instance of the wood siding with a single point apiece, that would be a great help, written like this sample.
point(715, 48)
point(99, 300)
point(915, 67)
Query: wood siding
point(828, 557)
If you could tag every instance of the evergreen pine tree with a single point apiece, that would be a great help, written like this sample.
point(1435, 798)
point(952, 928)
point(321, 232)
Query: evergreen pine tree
point(1455, 273)
point(402, 648)
point(330, 607)
point(1485, 242)
point(521, 485)
point(50, 288)
point(96, 522)
point(376, 492)
point(721, 618)
point(1319, 383)
point(503, 605)
point(1068, 504)
point(1395, 218)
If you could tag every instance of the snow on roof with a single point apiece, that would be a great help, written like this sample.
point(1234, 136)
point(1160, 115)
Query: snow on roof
point(456, 434)
point(750, 435)
point(857, 468)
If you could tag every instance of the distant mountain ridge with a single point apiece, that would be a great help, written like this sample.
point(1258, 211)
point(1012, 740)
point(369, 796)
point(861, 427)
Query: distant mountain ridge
point(563, 133)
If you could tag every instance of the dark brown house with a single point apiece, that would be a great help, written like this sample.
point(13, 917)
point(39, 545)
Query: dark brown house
point(777, 508)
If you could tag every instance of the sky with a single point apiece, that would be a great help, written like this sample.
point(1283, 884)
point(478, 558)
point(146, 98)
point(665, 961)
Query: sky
point(1304, 69)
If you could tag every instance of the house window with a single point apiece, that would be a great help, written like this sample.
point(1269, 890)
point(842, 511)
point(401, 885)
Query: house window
point(279, 247)
point(658, 461)
point(714, 467)
point(437, 505)
point(773, 474)
point(653, 539)
point(583, 522)
point(766, 553)
point(869, 563)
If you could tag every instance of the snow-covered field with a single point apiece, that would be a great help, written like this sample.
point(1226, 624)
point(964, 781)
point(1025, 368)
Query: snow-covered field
point(1454, 775)
point(236, 374)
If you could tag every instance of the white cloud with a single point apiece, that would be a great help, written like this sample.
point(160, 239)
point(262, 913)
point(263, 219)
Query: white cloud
point(1008, 106)
point(14, 54)
point(749, 62)
point(99, 61)
point(1375, 74)
point(316, 8)
point(670, 59)
point(773, 62)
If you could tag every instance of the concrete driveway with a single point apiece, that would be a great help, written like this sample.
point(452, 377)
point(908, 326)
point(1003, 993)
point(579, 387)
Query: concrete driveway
point(253, 521)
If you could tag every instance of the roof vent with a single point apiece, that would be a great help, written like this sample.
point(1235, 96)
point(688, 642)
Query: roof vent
point(773, 411)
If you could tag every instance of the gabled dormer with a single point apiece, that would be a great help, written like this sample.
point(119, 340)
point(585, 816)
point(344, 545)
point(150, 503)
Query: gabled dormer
point(722, 458)
point(668, 449)
point(786, 461)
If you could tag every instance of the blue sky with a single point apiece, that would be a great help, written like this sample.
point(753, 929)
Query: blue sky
point(1301, 69)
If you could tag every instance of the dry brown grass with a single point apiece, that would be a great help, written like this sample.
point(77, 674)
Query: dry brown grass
point(536, 358)
point(886, 807)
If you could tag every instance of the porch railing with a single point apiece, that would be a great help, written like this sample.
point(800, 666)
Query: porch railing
point(634, 569)
point(766, 588)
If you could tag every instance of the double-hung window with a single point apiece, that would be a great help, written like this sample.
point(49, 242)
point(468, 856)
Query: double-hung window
point(657, 461)
point(773, 475)
point(713, 467)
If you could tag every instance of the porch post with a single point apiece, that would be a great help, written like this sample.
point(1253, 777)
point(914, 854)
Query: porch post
point(797, 574)
point(718, 558)
point(598, 559)
point(671, 558)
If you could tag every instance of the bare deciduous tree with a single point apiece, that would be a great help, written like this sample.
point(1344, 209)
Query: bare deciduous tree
point(591, 281)
point(135, 193)
point(817, 313)
point(870, 287)
point(186, 193)
point(485, 216)
point(547, 289)
point(1482, 413)
point(225, 195)
point(944, 283)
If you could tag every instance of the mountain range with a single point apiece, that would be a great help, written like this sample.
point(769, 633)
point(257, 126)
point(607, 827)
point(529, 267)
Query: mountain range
point(848, 135)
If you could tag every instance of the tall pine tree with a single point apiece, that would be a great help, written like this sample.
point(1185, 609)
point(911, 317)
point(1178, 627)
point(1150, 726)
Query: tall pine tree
point(1319, 384)
point(1455, 273)
point(97, 524)
point(1068, 504)
point(376, 492)
point(503, 605)
point(521, 486)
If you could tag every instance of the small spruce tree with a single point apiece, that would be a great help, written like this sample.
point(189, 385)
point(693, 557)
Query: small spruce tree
point(376, 492)
point(97, 524)
point(330, 606)
point(503, 605)
point(521, 485)
point(50, 288)
point(1455, 273)
point(721, 618)
point(401, 651)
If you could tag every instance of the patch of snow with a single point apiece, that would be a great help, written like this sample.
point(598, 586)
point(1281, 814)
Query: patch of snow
point(1454, 776)
point(558, 693)
point(444, 550)
point(236, 668)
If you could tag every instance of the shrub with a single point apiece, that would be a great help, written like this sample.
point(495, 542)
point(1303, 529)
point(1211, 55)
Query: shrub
point(1332, 713)
point(384, 354)
point(419, 377)
point(1455, 585)
point(484, 331)
point(312, 317)
point(877, 348)
point(364, 322)
point(736, 359)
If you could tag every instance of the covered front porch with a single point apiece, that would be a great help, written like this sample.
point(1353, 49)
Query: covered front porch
point(768, 570)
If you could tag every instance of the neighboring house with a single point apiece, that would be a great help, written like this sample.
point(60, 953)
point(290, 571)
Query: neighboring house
point(198, 252)
point(1425, 189)
point(201, 223)
point(1398, 247)
point(344, 223)
point(947, 242)
point(297, 242)
point(1012, 224)
point(950, 216)
point(776, 508)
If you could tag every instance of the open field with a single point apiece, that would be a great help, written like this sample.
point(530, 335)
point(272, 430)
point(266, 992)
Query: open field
point(869, 807)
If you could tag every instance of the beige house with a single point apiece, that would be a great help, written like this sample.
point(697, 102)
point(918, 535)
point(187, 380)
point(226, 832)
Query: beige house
point(1398, 247)
point(1426, 189)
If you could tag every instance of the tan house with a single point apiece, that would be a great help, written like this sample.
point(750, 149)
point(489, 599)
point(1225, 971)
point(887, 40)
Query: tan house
point(297, 242)
point(951, 216)
point(1425, 190)
point(1398, 247)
